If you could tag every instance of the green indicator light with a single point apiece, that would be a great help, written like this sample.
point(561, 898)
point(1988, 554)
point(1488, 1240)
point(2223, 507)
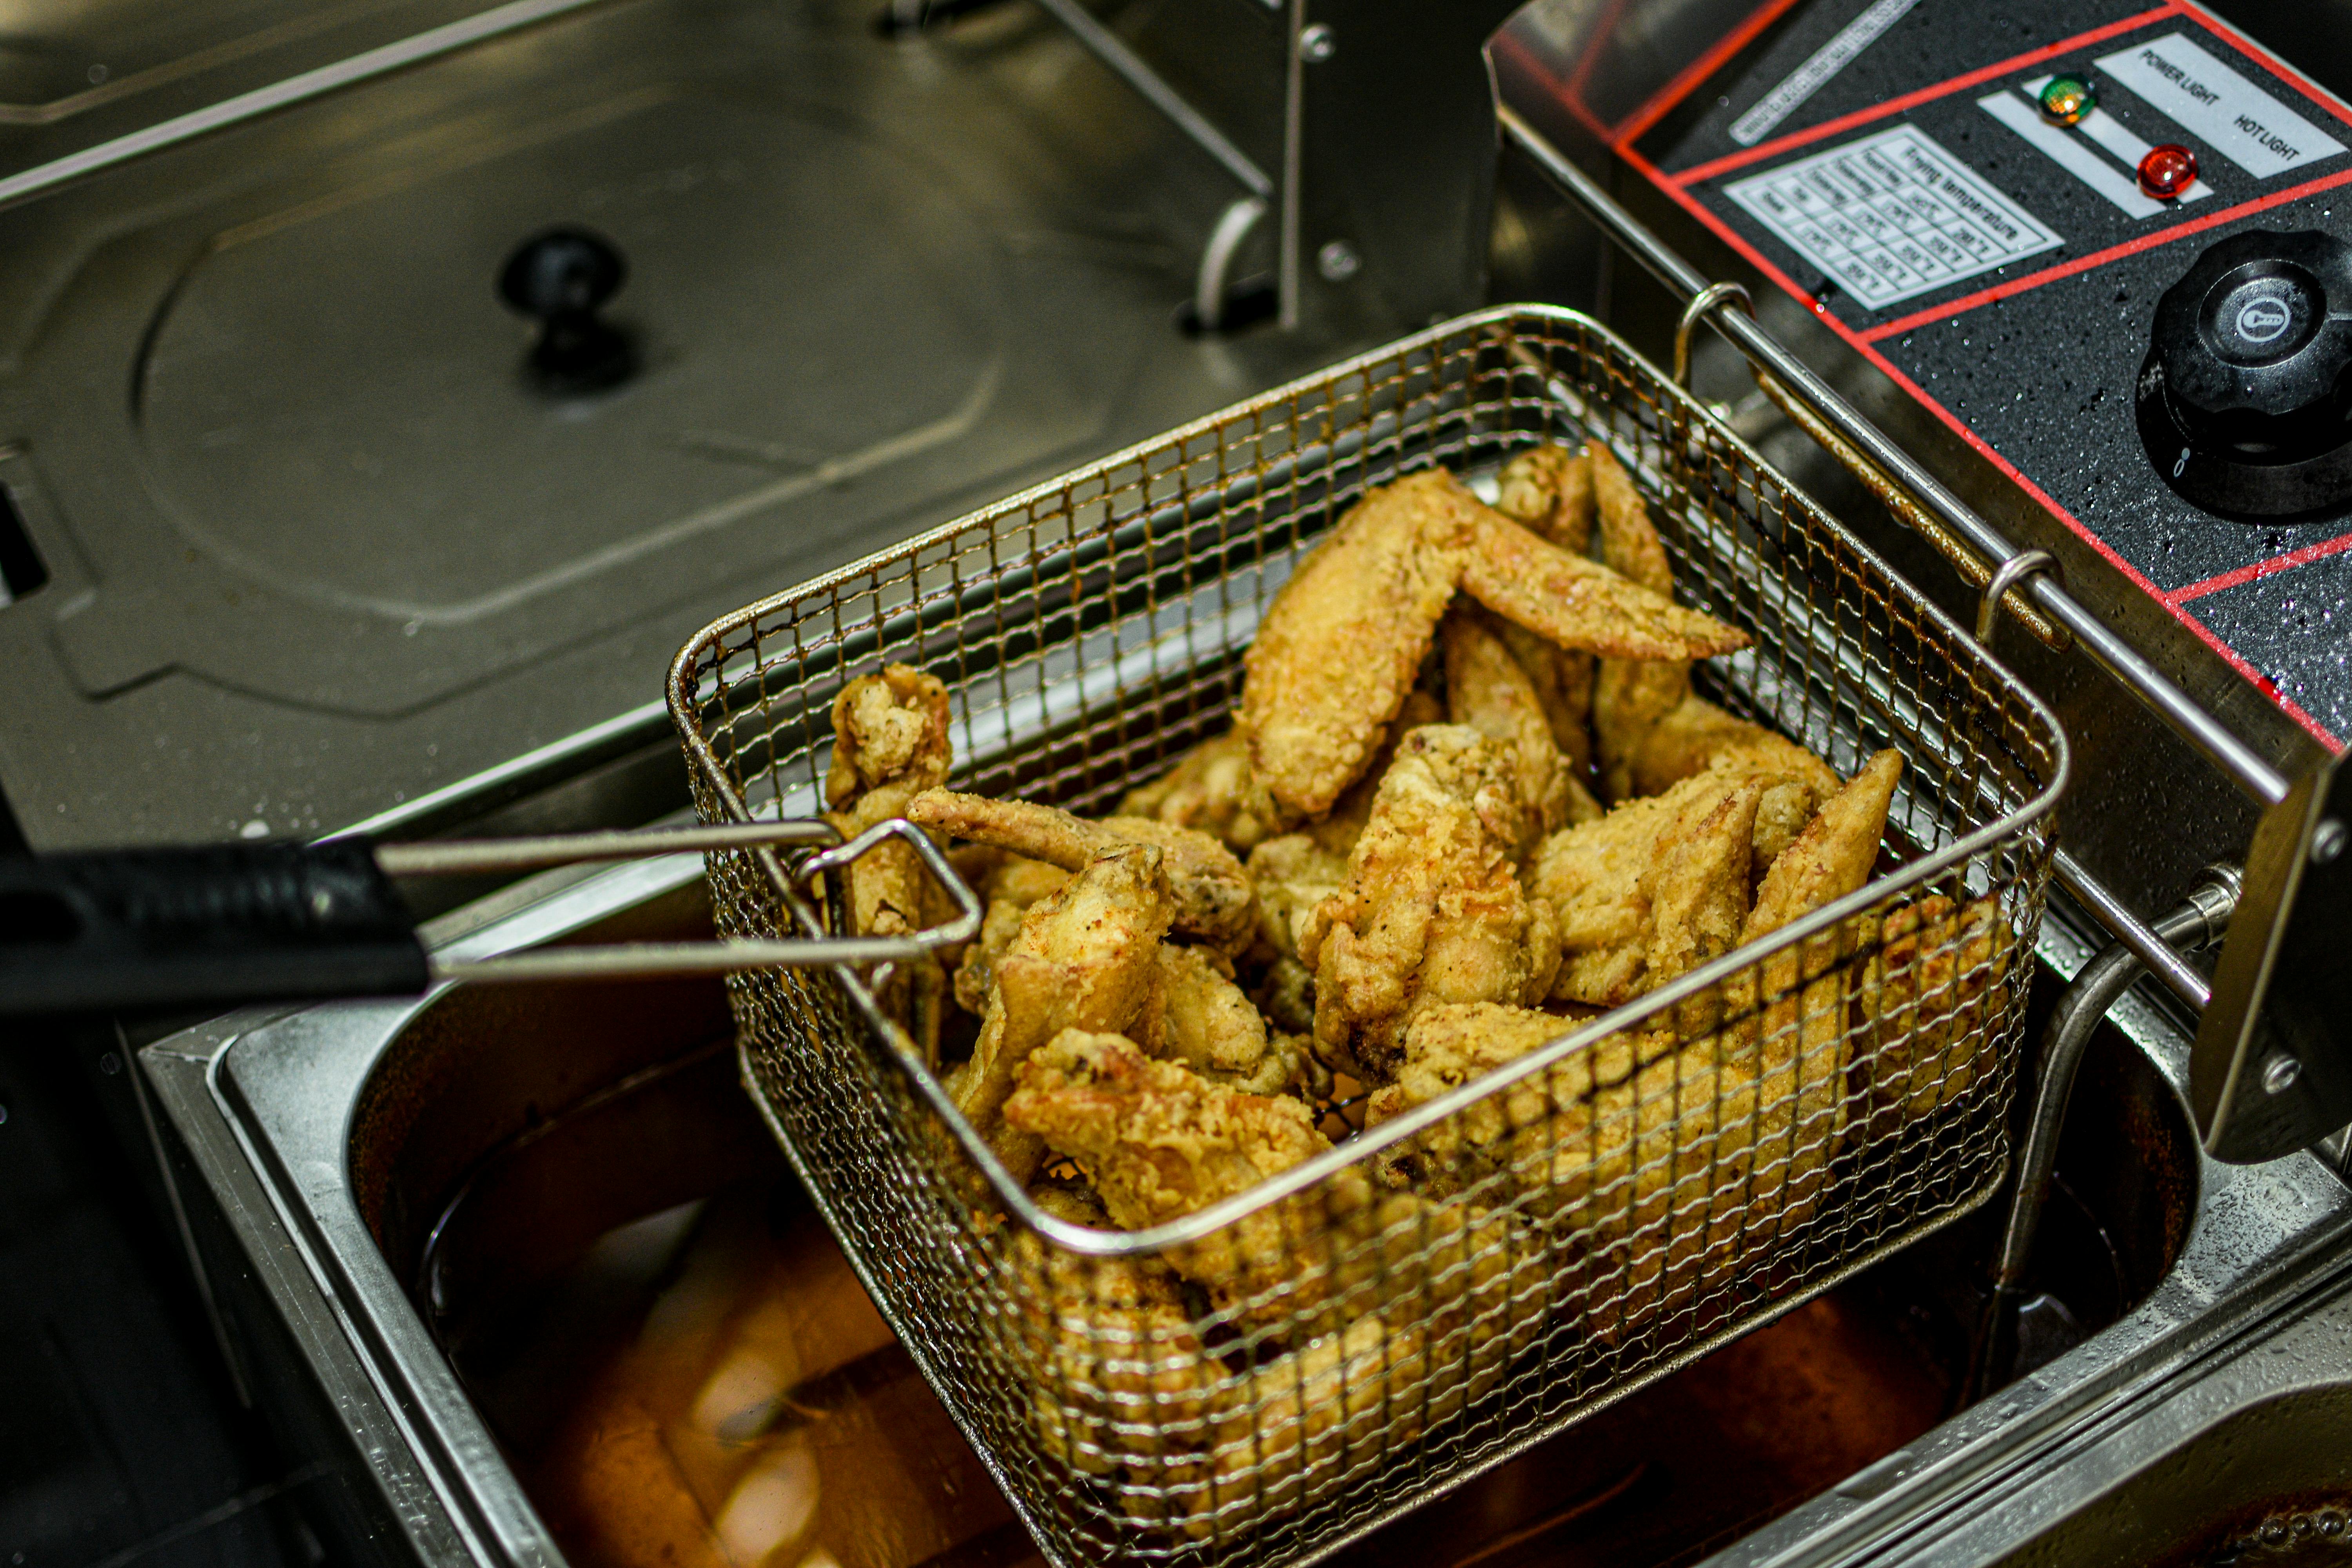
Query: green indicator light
point(2067, 99)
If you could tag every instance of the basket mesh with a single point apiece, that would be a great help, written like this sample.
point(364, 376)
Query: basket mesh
point(1614, 1204)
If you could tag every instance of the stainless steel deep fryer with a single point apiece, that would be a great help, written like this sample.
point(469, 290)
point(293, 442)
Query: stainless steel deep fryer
point(1269, 1378)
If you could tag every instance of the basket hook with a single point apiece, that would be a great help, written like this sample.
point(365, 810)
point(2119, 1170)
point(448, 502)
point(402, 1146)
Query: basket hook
point(1704, 303)
point(2008, 575)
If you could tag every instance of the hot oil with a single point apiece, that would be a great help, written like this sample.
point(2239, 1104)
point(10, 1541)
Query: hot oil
point(754, 1413)
point(709, 1386)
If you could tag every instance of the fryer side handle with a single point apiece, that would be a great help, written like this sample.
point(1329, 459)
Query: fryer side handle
point(200, 924)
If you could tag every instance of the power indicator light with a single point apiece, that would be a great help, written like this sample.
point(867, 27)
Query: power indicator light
point(2066, 98)
point(2168, 171)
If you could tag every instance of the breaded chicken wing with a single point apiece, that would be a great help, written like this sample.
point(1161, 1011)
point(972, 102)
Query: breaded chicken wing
point(1548, 490)
point(1293, 875)
point(1087, 958)
point(1159, 1141)
point(1929, 1002)
point(1198, 1018)
point(1340, 645)
point(890, 744)
point(1210, 788)
point(1629, 696)
point(1008, 890)
point(1699, 735)
point(1124, 1386)
point(1213, 893)
point(1651, 890)
point(1486, 689)
point(1433, 910)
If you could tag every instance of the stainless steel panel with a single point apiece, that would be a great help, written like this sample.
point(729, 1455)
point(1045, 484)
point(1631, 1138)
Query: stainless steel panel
point(315, 547)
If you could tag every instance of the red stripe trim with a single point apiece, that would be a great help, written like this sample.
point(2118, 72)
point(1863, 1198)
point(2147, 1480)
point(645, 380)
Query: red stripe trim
point(2132, 246)
point(1521, 57)
point(2275, 564)
point(1731, 161)
point(1699, 69)
point(2132, 573)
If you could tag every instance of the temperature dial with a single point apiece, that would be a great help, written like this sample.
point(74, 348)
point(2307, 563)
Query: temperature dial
point(2245, 401)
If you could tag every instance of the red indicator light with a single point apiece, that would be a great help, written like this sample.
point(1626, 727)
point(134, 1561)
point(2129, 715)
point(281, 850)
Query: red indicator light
point(2168, 171)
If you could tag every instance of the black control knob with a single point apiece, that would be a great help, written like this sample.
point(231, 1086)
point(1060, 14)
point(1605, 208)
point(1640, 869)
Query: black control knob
point(2245, 402)
point(563, 277)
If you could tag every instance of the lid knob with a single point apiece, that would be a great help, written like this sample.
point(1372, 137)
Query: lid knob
point(562, 277)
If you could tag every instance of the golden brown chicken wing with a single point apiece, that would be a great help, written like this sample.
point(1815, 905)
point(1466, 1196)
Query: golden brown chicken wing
point(1433, 910)
point(1699, 735)
point(1007, 891)
point(1930, 1004)
point(1086, 957)
point(1122, 1384)
point(1199, 1017)
point(1210, 788)
point(1549, 490)
point(1214, 895)
point(890, 744)
point(1651, 890)
point(1340, 645)
point(1629, 696)
point(1294, 875)
point(1159, 1141)
point(1486, 689)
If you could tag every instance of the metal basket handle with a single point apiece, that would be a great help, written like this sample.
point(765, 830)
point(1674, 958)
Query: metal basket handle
point(227, 923)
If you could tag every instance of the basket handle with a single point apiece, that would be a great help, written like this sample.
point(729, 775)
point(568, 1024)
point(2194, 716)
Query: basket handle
point(220, 924)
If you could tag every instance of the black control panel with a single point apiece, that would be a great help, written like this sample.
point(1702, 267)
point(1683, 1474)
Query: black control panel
point(2107, 242)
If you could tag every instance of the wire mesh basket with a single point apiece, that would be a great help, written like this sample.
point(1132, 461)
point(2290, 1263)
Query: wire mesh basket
point(1266, 1379)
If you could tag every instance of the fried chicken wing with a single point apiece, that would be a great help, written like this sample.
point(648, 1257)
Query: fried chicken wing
point(1699, 735)
point(1928, 1004)
point(1340, 645)
point(1578, 603)
point(890, 744)
point(1159, 1141)
point(1294, 875)
point(1433, 910)
point(1530, 1137)
point(1549, 490)
point(1629, 696)
point(1651, 890)
point(1213, 893)
point(1833, 855)
point(1086, 957)
point(1124, 1386)
point(1197, 1017)
point(1210, 788)
point(1486, 689)
point(1007, 891)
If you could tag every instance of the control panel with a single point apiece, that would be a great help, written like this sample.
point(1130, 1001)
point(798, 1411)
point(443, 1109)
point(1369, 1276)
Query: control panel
point(2109, 244)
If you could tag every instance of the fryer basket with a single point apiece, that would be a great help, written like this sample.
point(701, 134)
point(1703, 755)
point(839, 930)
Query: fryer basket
point(1269, 1378)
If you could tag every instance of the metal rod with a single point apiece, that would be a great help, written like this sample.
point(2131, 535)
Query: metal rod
point(1234, 225)
point(473, 857)
point(2162, 959)
point(625, 960)
point(1287, 236)
point(2198, 921)
point(2119, 658)
point(428, 44)
point(1130, 68)
point(650, 961)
